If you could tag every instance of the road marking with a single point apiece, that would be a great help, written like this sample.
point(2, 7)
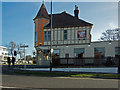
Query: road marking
point(87, 78)
point(7, 87)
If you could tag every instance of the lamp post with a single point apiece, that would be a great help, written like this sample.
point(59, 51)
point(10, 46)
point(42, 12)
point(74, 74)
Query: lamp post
point(51, 41)
point(24, 46)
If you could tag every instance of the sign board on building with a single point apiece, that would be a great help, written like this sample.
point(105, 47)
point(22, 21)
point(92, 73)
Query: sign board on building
point(81, 34)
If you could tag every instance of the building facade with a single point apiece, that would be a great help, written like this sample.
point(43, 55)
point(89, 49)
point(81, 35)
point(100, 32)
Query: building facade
point(3, 54)
point(70, 37)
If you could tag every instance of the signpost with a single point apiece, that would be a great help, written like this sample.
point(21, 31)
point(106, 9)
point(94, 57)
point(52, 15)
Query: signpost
point(24, 46)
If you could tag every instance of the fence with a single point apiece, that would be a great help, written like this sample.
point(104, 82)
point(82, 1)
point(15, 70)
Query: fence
point(85, 62)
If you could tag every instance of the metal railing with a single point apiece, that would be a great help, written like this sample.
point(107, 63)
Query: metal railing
point(85, 62)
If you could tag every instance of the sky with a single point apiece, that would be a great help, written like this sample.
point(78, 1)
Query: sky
point(18, 24)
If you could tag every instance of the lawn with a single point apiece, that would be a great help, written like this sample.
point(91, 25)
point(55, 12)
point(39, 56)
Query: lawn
point(66, 74)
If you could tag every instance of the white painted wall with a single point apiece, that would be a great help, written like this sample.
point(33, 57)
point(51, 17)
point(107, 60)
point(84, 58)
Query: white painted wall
point(3, 53)
point(71, 35)
point(89, 50)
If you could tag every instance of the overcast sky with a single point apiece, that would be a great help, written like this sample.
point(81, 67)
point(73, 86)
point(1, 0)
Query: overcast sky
point(18, 25)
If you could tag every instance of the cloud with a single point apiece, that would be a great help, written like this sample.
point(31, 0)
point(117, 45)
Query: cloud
point(112, 25)
point(96, 36)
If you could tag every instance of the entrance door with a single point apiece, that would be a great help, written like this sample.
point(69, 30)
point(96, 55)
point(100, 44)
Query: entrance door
point(67, 55)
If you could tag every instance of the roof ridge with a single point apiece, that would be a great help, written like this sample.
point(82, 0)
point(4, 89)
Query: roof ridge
point(78, 18)
point(55, 14)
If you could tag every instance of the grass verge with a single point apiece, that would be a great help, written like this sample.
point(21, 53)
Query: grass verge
point(66, 74)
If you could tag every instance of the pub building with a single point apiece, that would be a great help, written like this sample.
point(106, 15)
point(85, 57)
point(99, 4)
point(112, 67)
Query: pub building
point(70, 37)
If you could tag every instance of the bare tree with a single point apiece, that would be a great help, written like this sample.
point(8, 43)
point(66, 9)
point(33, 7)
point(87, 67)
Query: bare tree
point(110, 35)
point(11, 46)
point(19, 50)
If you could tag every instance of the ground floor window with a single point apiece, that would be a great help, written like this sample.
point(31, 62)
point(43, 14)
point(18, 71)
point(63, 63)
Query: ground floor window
point(79, 52)
point(47, 35)
point(56, 53)
point(117, 51)
point(99, 52)
point(46, 54)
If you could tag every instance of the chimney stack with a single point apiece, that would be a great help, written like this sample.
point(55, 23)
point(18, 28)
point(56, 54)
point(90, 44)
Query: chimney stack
point(76, 11)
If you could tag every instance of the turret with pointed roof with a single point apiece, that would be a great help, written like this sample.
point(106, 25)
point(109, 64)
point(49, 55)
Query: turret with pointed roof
point(42, 13)
point(41, 20)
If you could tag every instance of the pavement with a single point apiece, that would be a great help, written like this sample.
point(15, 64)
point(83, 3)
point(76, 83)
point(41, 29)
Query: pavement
point(37, 82)
point(8, 70)
point(20, 81)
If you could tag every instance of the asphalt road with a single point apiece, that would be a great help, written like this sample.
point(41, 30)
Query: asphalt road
point(21, 81)
point(36, 82)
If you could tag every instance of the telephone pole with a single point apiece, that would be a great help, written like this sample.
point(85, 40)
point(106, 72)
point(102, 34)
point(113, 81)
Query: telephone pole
point(51, 41)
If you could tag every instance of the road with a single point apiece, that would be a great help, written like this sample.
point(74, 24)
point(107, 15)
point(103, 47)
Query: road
point(21, 81)
point(36, 82)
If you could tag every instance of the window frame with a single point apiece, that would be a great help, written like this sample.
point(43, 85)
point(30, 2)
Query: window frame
point(45, 36)
point(49, 35)
point(118, 50)
point(65, 35)
point(99, 48)
point(80, 52)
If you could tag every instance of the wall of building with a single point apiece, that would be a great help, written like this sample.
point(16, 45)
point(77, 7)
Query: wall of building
point(3, 53)
point(39, 24)
point(89, 48)
point(58, 36)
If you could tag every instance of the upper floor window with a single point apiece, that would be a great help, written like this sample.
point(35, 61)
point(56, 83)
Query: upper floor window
point(65, 34)
point(35, 36)
point(47, 35)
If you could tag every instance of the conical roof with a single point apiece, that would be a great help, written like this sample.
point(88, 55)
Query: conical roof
point(42, 13)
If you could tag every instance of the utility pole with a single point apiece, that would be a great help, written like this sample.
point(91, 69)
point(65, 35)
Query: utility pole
point(24, 46)
point(51, 41)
